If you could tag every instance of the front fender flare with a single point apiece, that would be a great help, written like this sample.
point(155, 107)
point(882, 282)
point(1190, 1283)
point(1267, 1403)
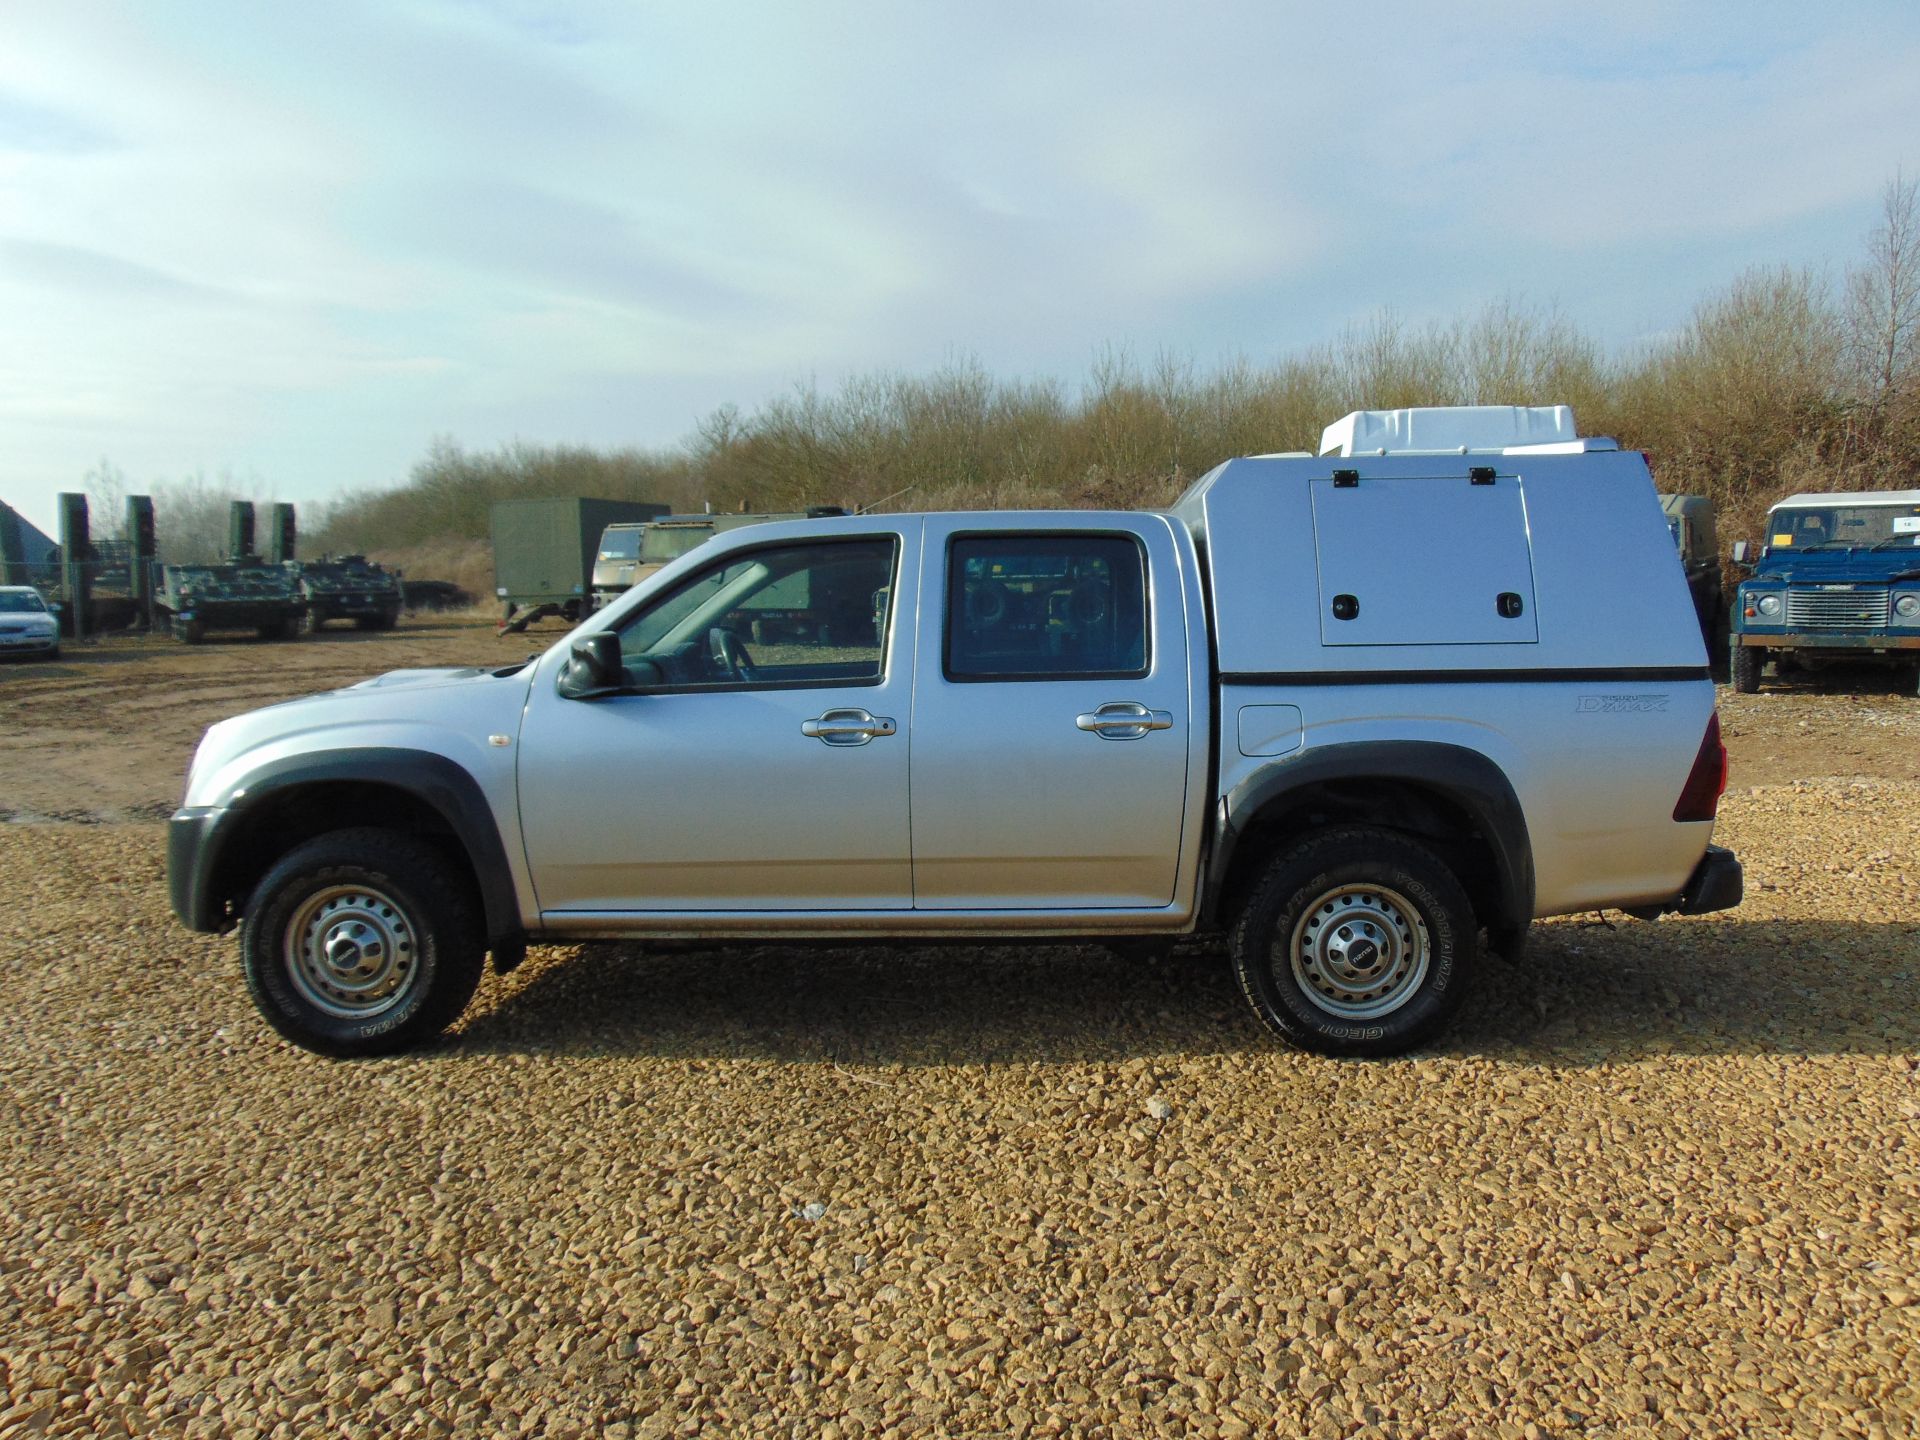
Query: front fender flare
point(199, 838)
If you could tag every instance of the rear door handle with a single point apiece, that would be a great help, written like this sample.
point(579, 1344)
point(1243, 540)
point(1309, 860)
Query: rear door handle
point(1124, 720)
point(847, 727)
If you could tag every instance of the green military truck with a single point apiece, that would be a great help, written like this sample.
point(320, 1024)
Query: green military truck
point(544, 551)
point(1690, 523)
point(630, 552)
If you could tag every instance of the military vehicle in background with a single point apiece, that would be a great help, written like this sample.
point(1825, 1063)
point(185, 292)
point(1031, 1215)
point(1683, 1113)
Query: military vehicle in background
point(246, 595)
point(1837, 581)
point(630, 552)
point(347, 587)
point(1690, 522)
point(544, 553)
point(433, 594)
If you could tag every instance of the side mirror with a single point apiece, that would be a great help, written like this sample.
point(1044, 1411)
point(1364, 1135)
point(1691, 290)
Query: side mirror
point(593, 667)
point(1740, 552)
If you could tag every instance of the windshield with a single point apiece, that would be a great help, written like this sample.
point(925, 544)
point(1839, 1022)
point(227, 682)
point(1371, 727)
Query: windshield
point(24, 602)
point(670, 542)
point(1673, 529)
point(620, 544)
point(1812, 527)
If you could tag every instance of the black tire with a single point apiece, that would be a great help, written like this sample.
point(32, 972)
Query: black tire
point(361, 885)
point(191, 632)
point(1745, 669)
point(1394, 889)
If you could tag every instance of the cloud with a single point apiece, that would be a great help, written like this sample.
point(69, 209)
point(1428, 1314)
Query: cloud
point(40, 129)
point(94, 274)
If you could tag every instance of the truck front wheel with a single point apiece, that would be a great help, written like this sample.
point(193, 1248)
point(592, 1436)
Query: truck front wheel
point(1746, 668)
point(361, 942)
point(1356, 942)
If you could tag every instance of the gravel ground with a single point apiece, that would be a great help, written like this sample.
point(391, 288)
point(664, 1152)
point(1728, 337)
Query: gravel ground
point(1660, 1180)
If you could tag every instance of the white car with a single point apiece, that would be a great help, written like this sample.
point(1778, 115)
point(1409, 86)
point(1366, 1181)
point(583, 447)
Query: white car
point(27, 626)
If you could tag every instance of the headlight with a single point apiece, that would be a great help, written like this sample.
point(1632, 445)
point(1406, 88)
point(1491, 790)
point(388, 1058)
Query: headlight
point(1769, 605)
point(1907, 607)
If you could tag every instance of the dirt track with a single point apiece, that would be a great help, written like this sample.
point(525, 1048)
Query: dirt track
point(1661, 1180)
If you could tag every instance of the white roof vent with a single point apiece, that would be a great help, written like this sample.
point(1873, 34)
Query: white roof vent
point(1459, 430)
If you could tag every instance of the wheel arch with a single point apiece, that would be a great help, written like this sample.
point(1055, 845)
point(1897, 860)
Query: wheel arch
point(1456, 800)
point(292, 800)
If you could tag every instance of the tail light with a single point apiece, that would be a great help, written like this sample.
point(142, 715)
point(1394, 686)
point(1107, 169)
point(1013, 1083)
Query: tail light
point(1707, 781)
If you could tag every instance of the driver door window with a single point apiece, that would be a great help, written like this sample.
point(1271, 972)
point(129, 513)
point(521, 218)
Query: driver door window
point(807, 614)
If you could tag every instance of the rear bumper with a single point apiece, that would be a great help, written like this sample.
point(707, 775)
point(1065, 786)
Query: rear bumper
point(1717, 883)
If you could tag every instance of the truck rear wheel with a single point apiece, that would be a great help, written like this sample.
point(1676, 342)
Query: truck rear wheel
point(1355, 942)
point(361, 942)
point(1746, 668)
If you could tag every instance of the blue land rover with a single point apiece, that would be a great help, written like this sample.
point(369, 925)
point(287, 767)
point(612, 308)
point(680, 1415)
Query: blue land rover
point(1837, 579)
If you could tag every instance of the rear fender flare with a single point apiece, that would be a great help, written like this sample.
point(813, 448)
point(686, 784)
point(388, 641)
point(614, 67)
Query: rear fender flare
point(1467, 778)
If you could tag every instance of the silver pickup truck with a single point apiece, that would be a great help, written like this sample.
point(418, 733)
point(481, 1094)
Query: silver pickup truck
point(1355, 712)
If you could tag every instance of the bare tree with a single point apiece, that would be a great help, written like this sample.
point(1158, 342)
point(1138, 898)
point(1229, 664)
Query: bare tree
point(107, 501)
point(1883, 298)
point(191, 515)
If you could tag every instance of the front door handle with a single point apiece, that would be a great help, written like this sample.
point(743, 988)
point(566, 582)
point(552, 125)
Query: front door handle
point(847, 727)
point(1124, 720)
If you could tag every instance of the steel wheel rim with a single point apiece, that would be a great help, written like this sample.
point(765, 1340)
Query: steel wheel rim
point(1360, 951)
point(351, 951)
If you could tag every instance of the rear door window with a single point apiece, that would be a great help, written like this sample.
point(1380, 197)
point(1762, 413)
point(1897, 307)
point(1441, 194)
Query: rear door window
point(1023, 606)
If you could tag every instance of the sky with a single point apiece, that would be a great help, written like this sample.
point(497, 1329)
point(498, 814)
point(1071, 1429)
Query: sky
point(294, 243)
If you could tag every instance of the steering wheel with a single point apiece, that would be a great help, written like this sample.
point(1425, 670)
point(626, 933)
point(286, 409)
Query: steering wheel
point(729, 655)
